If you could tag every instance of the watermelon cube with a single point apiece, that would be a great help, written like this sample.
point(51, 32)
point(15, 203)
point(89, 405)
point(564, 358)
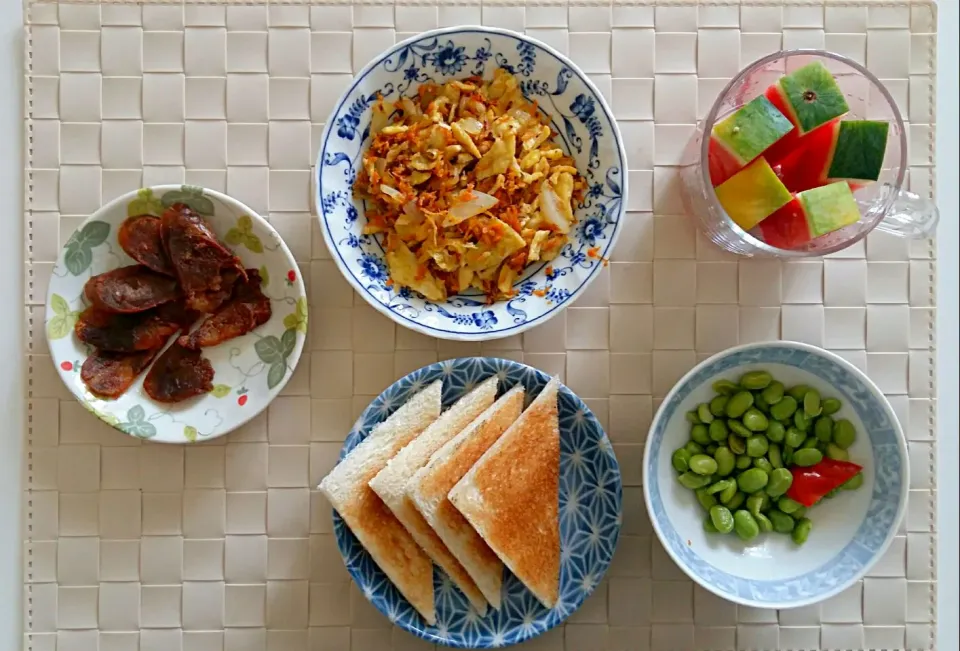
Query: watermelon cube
point(743, 135)
point(810, 214)
point(851, 150)
point(752, 194)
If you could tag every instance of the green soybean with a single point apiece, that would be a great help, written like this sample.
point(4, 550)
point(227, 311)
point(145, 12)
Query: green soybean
point(810, 442)
point(844, 433)
point(728, 493)
point(745, 525)
point(836, 453)
point(737, 428)
point(798, 392)
point(693, 481)
point(744, 461)
point(763, 464)
point(773, 454)
point(710, 449)
point(739, 403)
point(681, 460)
point(725, 387)
point(756, 380)
point(708, 525)
point(823, 428)
point(721, 518)
point(799, 513)
point(757, 445)
point(830, 406)
point(752, 480)
point(703, 413)
point(773, 393)
point(718, 405)
point(692, 448)
point(702, 464)
point(787, 455)
point(763, 522)
point(726, 460)
point(776, 431)
point(800, 421)
point(734, 502)
point(736, 444)
point(700, 434)
point(779, 483)
point(784, 409)
point(794, 437)
point(853, 483)
point(755, 421)
point(706, 499)
point(788, 505)
point(692, 417)
point(722, 485)
point(757, 503)
point(718, 431)
point(811, 403)
point(806, 457)
point(782, 523)
point(759, 403)
point(801, 531)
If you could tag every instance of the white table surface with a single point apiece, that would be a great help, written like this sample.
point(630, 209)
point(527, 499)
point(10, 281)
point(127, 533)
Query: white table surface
point(12, 372)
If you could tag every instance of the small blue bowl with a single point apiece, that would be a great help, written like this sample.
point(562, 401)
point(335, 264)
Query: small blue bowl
point(590, 516)
point(850, 532)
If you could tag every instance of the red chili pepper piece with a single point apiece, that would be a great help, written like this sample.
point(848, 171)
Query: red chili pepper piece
point(812, 483)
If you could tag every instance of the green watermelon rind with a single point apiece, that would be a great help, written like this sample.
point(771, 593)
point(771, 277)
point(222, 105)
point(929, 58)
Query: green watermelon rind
point(751, 129)
point(829, 208)
point(859, 151)
point(830, 103)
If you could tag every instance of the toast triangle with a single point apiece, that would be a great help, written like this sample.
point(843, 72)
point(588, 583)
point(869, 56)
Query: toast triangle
point(391, 483)
point(511, 497)
point(392, 548)
point(429, 487)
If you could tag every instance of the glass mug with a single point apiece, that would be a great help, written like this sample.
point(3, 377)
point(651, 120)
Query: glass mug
point(885, 205)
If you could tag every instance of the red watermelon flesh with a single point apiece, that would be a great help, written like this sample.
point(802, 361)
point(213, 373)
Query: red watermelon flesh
point(787, 228)
point(788, 143)
point(807, 166)
point(722, 163)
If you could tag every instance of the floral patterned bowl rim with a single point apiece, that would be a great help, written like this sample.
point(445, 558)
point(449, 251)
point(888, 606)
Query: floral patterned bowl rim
point(850, 532)
point(250, 370)
point(589, 133)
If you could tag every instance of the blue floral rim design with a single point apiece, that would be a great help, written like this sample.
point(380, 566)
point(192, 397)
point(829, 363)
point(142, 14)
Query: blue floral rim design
point(590, 499)
point(887, 503)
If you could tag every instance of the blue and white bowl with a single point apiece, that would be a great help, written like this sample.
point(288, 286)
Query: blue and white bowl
point(590, 515)
point(587, 131)
point(850, 532)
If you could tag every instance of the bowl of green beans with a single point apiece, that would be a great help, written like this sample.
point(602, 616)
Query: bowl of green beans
point(775, 474)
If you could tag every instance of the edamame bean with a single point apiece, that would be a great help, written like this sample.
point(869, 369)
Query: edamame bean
point(717, 405)
point(721, 518)
point(760, 403)
point(739, 403)
point(823, 428)
point(782, 523)
point(700, 434)
point(763, 464)
point(745, 525)
point(805, 457)
point(776, 431)
point(707, 500)
point(844, 433)
point(681, 460)
point(736, 501)
point(708, 525)
point(752, 480)
point(763, 522)
point(787, 455)
point(710, 449)
point(726, 460)
point(853, 483)
point(800, 420)
point(773, 454)
point(728, 493)
point(756, 380)
point(784, 409)
point(702, 464)
point(754, 420)
point(737, 428)
point(836, 453)
point(692, 417)
point(801, 531)
point(779, 483)
point(810, 442)
point(703, 413)
point(757, 445)
point(811, 403)
point(722, 485)
point(725, 387)
point(799, 513)
point(773, 393)
point(798, 392)
point(736, 444)
point(693, 481)
point(830, 406)
point(718, 431)
point(822, 447)
point(744, 461)
point(788, 505)
point(794, 437)
point(757, 502)
point(693, 448)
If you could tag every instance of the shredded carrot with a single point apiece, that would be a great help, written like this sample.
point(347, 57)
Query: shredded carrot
point(593, 251)
point(540, 292)
point(549, 270)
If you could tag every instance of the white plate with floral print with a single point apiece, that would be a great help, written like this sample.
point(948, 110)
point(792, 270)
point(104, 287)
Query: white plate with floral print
point(249, 370)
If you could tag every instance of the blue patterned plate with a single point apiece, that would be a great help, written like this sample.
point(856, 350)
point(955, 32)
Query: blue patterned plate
point(587, 131)
point(850, 532)
point(590, 494)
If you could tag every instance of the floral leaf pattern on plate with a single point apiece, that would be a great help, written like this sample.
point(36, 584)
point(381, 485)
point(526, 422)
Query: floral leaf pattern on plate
point(220, 391)
point(190, 433)
point(136, 425)
point(78, 253)
point(297, 320)
point(189, 195)
point(145, 204)
point(62, 324)
point(242, 235)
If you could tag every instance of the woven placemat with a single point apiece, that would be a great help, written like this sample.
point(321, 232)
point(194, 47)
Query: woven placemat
point(226, 545)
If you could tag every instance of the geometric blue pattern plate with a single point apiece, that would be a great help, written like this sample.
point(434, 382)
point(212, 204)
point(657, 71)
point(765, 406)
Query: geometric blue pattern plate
point(590, 495)
point(585, 130)
point(850, 532)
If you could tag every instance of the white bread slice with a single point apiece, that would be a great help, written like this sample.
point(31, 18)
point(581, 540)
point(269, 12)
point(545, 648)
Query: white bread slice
point(511, 497)
point(381, 534)
point(391, 483)
point(429, 487)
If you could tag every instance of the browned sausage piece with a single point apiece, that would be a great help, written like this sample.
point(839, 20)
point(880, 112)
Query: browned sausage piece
point(127, 333)
point(109, 375)
point(179, 374)
point(247, 309)
point(140, 237)
point(130, 289)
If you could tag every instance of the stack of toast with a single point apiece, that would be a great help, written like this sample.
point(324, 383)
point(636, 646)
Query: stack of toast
point(472, 489)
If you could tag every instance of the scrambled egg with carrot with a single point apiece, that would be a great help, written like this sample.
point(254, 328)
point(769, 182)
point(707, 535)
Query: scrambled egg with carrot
point(467, 187)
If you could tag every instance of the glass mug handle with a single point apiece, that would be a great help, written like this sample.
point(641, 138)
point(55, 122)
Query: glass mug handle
point(910, 215)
